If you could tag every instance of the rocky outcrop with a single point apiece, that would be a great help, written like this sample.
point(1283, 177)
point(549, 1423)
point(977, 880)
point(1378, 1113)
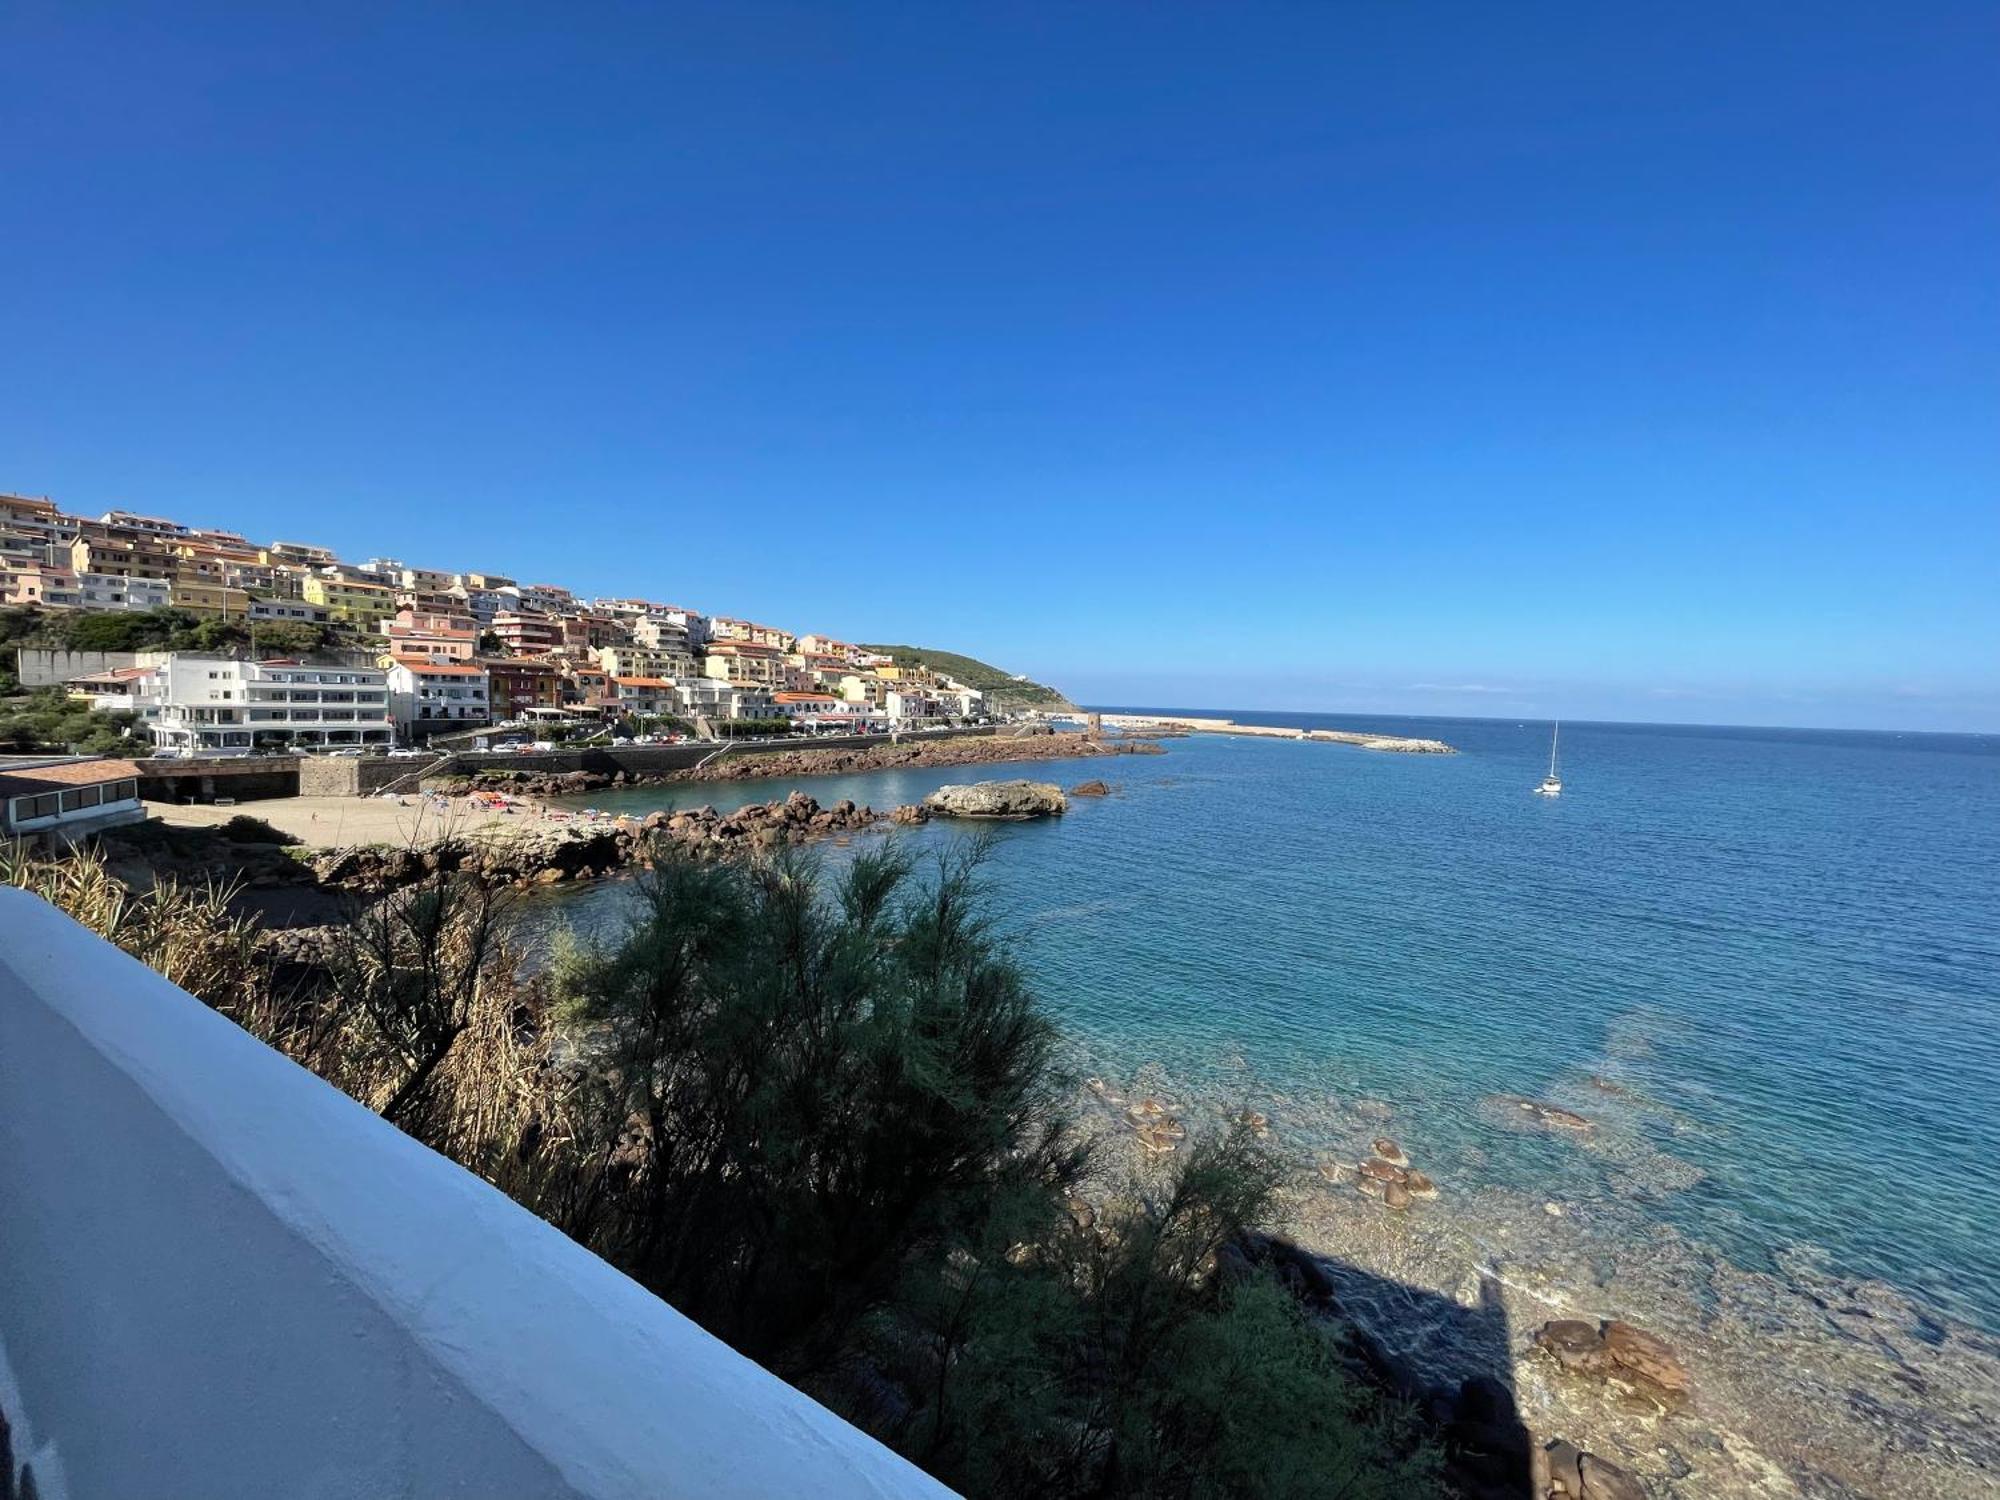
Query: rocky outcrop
point(1387, 1176)
point(1090, 789)
point(964, 752)
point(998, 799)
point(1541, 1112)
point(1627, 1357)
point(549, 855)
point(1562, 1471)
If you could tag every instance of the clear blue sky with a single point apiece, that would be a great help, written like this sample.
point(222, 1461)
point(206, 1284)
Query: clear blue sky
point(1602, 360)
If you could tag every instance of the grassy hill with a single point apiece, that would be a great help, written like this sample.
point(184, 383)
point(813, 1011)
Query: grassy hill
point(1000, 687)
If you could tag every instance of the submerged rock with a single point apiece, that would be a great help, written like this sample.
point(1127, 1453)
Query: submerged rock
point(998, 799)
point(1621, 1353)
point(1090, 789)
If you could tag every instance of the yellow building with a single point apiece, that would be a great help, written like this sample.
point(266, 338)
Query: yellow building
point(214, 599)
point(351, 601)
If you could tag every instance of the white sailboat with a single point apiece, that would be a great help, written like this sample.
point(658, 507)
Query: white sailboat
point(1552, 784)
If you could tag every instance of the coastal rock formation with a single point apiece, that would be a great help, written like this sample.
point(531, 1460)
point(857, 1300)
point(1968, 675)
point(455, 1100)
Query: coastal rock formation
point(1090, 789)
point(961, 752)
point(1620, 1353)
point(559, 852)
point(1387, 1176)
point(998, 799)
point(770, 765)
point(1540, 1112)
point(1563, 1471)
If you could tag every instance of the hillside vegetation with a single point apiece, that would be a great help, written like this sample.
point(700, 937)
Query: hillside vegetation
point(1000, 687)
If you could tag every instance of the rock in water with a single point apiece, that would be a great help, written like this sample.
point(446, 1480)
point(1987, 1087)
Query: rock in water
point(1648, 1362)
point(1090, 789)
point(1604, 1480)
point(998, 799)
point(1575, 1345)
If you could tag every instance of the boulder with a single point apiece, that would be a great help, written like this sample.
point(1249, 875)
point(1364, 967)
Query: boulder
point(1576, 1346)
point(998, 799)
point(910, 813)
point(1395, 1195)
point(1604, 1480)
point(1565, 1463)
point(1090, 789)
point(1645, 1359)
point(1390, 1152)
point(1420, 1186)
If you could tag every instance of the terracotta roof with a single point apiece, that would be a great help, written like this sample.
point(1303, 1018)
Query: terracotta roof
point(645, 682)
point(33, 779)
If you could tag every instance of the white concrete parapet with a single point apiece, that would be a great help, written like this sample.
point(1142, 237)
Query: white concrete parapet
point(220, 1277)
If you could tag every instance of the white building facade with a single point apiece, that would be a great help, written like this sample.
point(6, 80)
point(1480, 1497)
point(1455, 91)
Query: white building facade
point(438, 697)
point(207, 705)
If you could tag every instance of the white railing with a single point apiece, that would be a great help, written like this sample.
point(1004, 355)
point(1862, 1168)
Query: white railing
point(220, 1277)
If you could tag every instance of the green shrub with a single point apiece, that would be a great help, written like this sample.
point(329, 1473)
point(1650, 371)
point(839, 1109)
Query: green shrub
point(245, 829)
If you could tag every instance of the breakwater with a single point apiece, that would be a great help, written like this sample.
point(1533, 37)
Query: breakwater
point(1195, 724)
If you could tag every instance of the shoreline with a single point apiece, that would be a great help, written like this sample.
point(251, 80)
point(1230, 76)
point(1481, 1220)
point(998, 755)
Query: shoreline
point(1393, 744)
point(1804, 1379)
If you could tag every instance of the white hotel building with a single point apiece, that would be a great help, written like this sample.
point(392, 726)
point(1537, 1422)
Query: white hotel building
point(212, 706)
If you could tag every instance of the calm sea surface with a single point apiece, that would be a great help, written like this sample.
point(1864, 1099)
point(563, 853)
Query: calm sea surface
point(1786, 942)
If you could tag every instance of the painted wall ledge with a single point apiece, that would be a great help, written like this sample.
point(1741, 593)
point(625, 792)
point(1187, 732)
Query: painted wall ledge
point(221, 1277)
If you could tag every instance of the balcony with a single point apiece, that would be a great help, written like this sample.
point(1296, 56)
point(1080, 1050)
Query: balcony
point(227, 1279)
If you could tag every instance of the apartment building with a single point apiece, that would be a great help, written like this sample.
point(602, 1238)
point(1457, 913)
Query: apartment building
point(427, 635)
point(352, 600)
point(523, 634)
point(707, 697)
point(644, 697)
point(36, 518)
point(743, 664)
point(586, 690)
point(521, 683)
point(40, 587)
point(215, 600)
point(208, 705)
point(722, 628)
point(129, 554)
point(823, 711)
point(113, 591)
point(157, 526)
point(670, 629)
point(546, 598)
point(426, 580)
point(300, 555)
point(294, 610)
point(644, 661)
point(437, 697)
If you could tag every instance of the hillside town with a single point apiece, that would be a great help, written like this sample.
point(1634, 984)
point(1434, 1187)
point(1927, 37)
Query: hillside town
point(405, 655)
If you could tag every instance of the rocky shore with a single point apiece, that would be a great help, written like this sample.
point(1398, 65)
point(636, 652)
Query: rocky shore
point(830, 762)
point(584, 851)
point(291, 883)
point(1559, 1337)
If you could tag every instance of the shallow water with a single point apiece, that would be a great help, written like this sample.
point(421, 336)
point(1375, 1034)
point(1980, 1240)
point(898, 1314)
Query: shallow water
point(1766, 963)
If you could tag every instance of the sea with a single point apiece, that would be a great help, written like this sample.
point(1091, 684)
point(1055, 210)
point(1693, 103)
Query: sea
point(1764, 963)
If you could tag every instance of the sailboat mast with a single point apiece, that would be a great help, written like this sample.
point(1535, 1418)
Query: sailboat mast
point(1555, 737)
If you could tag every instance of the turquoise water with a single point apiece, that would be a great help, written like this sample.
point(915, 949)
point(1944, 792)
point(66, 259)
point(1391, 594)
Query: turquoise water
point(1786, 944)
